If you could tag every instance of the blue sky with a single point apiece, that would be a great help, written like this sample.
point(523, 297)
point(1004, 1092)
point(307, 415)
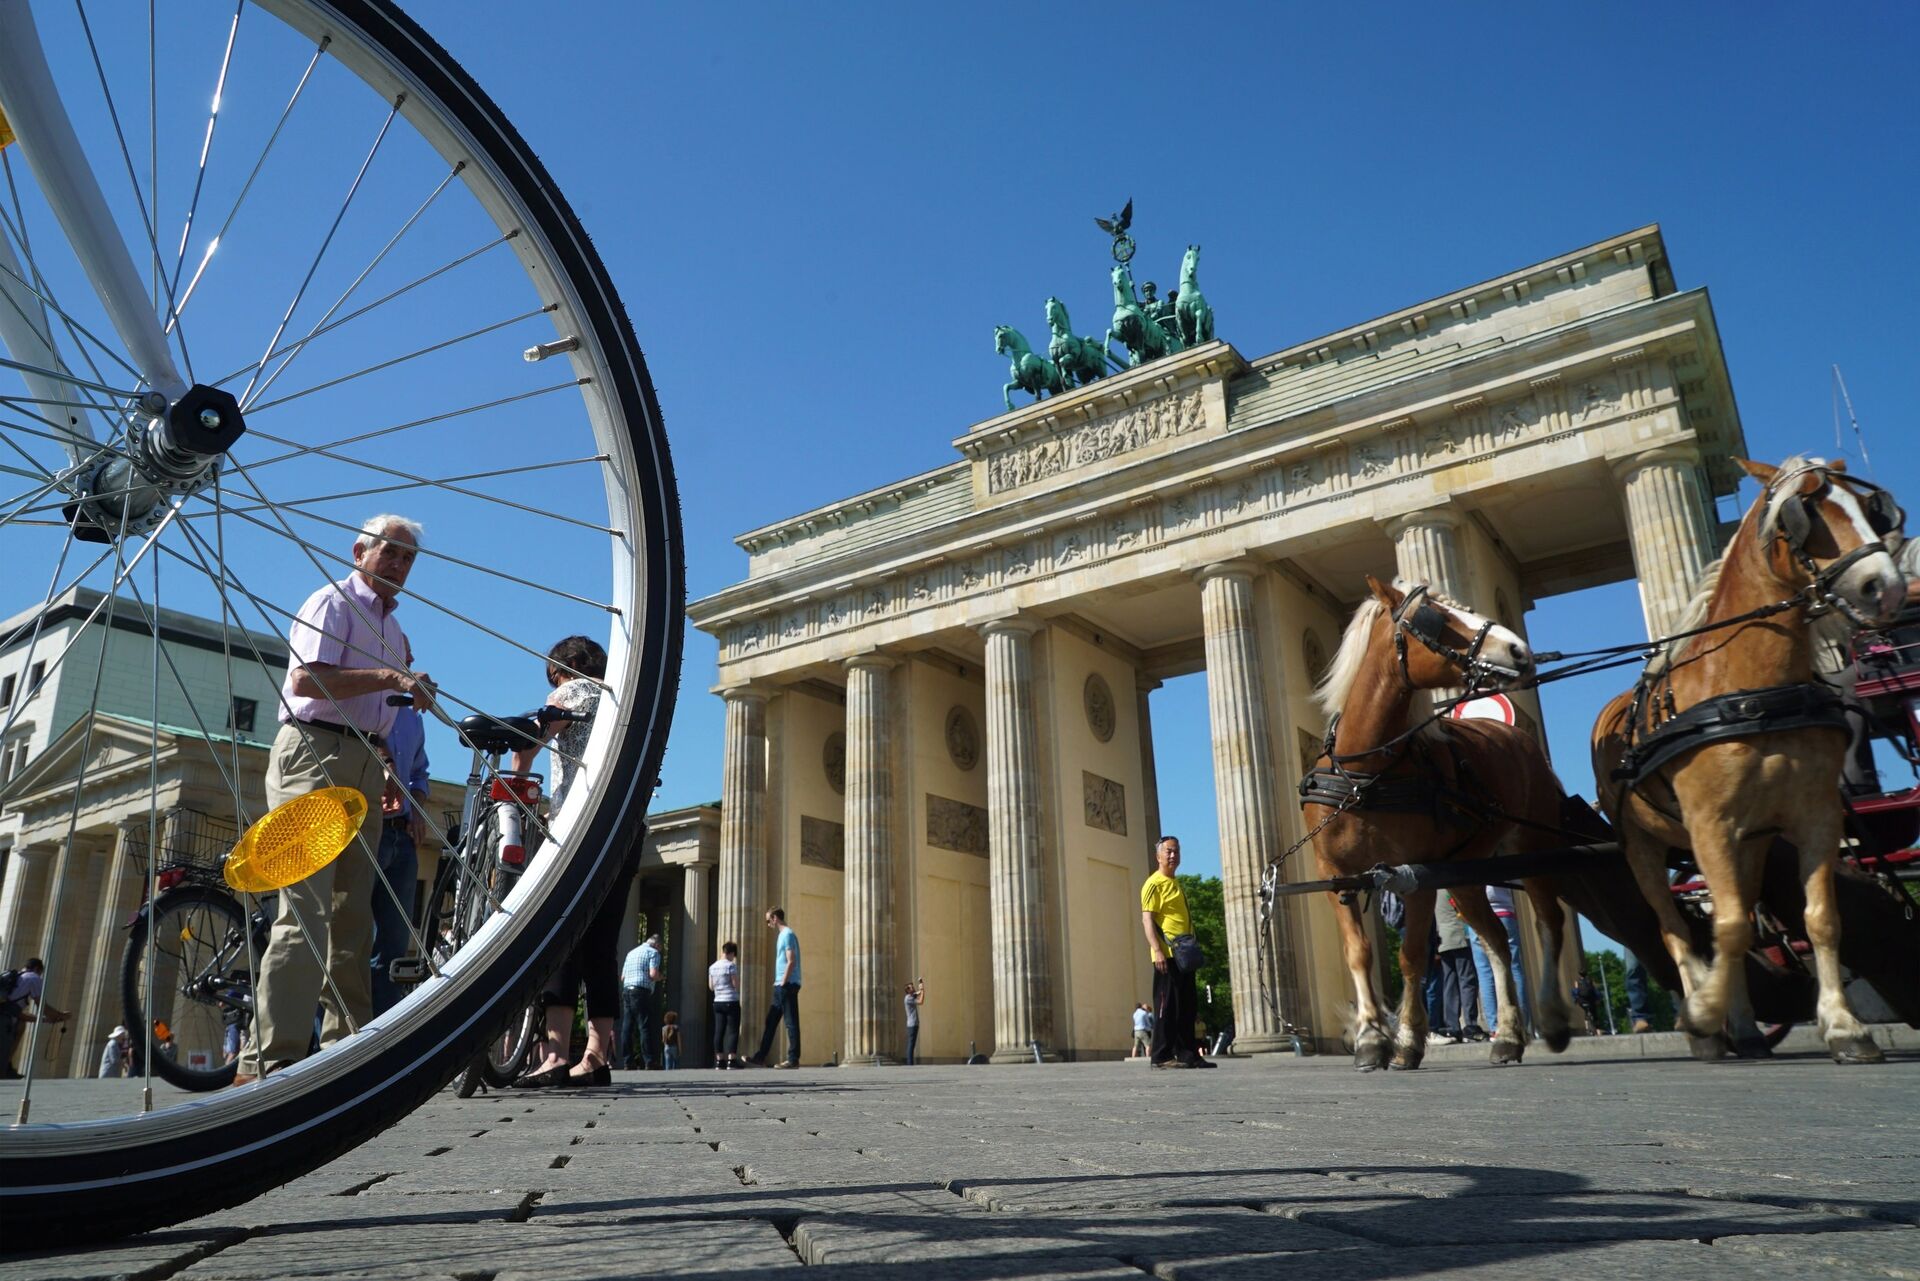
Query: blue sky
point(816, 215)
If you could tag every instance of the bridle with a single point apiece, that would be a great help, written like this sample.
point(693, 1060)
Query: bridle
point(1417, 616)
point(1794, 526)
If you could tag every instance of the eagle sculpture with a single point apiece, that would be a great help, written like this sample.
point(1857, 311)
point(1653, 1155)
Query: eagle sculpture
point(1118, 224)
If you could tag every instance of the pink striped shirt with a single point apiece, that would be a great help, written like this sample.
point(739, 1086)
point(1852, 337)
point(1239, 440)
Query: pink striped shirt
point(346, 625)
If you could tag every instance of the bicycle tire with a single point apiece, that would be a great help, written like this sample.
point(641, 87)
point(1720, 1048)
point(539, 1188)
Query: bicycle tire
point(133, 987)
point(505, 1057)
point(84, 1180)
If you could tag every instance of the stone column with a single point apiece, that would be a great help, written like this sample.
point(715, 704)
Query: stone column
point(694, 948)
point(1671, 528)
point(1149, 775)
point(99, 1006)
point(1243, 780)
point(1426, 549)
point(1022, 987)
point(743, 845)
point(868, 884)
point(23, 912)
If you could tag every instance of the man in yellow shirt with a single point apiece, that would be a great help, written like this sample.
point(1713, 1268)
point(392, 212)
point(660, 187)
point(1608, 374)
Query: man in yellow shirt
point(1169, 930)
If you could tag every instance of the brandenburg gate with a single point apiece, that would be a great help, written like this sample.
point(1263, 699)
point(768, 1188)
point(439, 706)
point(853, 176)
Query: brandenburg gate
point(939, 753)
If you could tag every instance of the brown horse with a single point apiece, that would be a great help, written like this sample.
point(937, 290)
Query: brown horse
point(1450, 790)
point(1810, 542)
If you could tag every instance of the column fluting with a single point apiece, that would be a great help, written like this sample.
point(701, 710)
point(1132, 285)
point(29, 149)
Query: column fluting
point(1670, 528)
point(1022, 993)
point(870, 1000)
point(743, 842)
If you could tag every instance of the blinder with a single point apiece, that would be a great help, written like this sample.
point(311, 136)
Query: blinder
point(1795, 524)
point(1426, 622)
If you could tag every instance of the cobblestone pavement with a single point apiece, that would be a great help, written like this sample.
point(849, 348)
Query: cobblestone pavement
point(1599, 1168)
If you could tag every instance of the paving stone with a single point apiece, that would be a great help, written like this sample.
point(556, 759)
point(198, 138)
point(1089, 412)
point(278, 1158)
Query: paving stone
point(579, 1252)
point(1894, 1254)
point(1126, 1191)
point(770, 1204)
point(284, 1209)
point(153, 1254)
point(1144, 1235)
point(1618, 1261)
point(1561, 1218)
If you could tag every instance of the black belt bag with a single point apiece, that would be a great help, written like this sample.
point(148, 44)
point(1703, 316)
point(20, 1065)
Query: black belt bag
point(1187, 956)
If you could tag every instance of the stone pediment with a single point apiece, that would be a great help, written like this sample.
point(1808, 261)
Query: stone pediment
point(116, 748)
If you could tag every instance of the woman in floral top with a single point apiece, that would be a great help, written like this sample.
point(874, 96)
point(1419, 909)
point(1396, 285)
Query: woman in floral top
point(574, 669)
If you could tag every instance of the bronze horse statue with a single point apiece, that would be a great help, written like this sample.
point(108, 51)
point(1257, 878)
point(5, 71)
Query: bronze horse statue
point(1080, 360)
point(1144, 339)
point(1726, 742)
point(1029, 372)
point(1196, 318)
point(1387, 791)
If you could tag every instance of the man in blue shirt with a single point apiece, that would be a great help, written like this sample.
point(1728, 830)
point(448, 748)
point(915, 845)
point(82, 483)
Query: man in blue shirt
point(786, 992)
point(639, 981)
point(404, 828)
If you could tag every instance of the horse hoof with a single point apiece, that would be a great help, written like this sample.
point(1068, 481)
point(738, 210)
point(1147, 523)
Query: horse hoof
point(1370, 1056)
point(1505, 1052)
point(1753, 1047)
point(1557, 1041)
point(1365, 1067)
point(1405, 1062)
point(1709, 1049)
point(1855, 1049)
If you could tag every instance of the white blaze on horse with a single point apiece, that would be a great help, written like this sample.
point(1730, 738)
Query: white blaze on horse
point(1727, 741)
point(1387, 792)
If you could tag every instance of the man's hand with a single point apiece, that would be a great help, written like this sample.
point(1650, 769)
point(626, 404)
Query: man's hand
point(417, 823)
point(418, 684)
point(1160, 961)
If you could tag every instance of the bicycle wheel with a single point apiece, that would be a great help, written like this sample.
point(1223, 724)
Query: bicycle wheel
point(360, 251)
point(198, 955)
point(505, 1057)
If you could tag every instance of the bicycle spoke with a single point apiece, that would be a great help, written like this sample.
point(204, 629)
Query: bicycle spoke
point(60, 877)
point(233, 211)
point(252, 408)
point(140, 199)
point(302, 451)
point(206, 144)
point(245, 397)
point(449, 483)
point(322, 326)
point(428, 601)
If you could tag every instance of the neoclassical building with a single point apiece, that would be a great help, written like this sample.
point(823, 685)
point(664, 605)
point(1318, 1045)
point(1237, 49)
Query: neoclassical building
point(939, 750)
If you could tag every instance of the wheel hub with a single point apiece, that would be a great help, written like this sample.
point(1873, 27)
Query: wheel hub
point(174, 452)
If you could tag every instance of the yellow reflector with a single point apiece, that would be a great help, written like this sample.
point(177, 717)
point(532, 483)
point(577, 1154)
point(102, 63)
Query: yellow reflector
point(296, 840)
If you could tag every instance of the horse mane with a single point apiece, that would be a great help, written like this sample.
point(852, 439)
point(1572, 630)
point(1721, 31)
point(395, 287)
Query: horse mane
point(1697, 609)
point(1330, 695)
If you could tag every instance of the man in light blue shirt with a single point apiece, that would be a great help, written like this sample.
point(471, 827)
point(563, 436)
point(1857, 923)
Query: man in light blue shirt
point(639, 982)
point(403, 828)
point(786, 992)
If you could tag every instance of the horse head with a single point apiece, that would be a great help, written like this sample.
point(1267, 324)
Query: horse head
point(1822, 529)
point(1009, 341)
point(1190, 266)
point(1123, 295)
point(1440, 643)
point(1057, 318)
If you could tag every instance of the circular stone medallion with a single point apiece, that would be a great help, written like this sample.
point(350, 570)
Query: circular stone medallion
point(1099, 707)
point(834, 760)
point(963, 738)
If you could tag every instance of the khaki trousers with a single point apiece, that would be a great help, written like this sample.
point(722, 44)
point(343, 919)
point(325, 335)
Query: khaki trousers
point(330, 914)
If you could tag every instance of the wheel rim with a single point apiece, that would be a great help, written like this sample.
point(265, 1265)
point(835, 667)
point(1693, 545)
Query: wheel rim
point(543, 485)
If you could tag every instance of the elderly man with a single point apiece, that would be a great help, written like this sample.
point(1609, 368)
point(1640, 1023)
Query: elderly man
point(348, 655)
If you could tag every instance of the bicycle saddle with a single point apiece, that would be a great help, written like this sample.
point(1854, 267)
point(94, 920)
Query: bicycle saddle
point(486, 733)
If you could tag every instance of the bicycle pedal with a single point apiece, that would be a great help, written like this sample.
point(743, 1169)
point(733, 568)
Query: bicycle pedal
point(408, 969)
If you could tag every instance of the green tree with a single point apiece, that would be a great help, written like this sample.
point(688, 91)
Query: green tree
point(1206, 903)
point(1611, 967)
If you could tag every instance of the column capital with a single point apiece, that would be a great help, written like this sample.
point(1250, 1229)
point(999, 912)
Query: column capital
point(1146, 684)
point(1441, 516)
point(749, 693)
point(1012, 624)
point(1680, 452)
point(1237, 567)
point(874, 660)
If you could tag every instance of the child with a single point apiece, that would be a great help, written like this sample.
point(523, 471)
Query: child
point(670, 1041)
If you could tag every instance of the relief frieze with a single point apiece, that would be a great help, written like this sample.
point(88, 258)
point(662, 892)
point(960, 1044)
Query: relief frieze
point(956, 825)
point(823, 843)
point(1106, 803)
point(1099, 441)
